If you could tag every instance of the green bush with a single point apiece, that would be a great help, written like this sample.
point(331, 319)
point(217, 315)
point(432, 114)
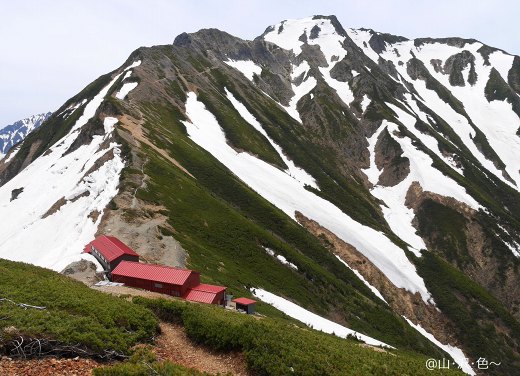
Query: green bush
point(73, 314)
point(278, 347)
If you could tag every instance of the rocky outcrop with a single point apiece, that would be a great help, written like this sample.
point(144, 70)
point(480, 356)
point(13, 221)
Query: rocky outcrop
point(142, 226)
point(400, 300)
point(389, 158)
point(476, 252)
point(454, 66)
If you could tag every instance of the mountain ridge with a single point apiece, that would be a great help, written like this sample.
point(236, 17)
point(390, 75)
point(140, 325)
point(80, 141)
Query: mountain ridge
point(385, 156)
point(12, 134)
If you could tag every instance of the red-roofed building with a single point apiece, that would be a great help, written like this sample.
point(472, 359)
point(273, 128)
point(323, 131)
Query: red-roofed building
point(122, 265)
point(245, 304)
point(204, 293)
point(110, 251)
point(158, 278)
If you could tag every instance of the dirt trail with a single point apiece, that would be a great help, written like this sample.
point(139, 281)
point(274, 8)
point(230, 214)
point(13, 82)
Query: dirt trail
point(174, 345)
point(47, 367)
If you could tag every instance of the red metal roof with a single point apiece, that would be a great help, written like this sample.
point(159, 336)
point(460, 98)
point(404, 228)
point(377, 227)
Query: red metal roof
point(244, 301)
point(208, 288)
point(203, 293)
point(200, 296)
point(151, 272)
point(110, 247)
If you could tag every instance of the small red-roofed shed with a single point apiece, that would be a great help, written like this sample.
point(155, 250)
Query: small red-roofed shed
point(204, 293)
point(158, 278)
point(110, 251)
point(245, 304)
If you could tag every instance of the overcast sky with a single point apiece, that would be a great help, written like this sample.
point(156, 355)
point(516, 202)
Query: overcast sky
point(51, 49)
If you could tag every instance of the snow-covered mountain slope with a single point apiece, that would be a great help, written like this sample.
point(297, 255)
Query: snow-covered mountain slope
point(466, 68)
point(288, 194)
point(56, 203)
point(379, 170)
point(12, 134)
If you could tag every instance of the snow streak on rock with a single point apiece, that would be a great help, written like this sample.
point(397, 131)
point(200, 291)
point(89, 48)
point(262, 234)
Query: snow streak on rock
point(247, 67)
point(290, 196)
point(367, 284)
point(456, 353)
point(295, 172)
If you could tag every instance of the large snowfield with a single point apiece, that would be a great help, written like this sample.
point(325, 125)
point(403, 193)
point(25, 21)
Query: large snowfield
point(61, 201)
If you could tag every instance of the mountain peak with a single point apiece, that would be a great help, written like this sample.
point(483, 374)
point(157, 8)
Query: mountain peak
point(325, 31)
point(14, 133)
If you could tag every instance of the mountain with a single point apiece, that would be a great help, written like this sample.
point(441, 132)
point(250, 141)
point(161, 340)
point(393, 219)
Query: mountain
point(16, 132)
point(366, 177)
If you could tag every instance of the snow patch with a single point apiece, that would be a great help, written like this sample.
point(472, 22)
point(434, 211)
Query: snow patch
point(269, 251)
point(513, 246)
point(133, 65)
point(361, 38)
point(292, 170)
point(55, 240)
point(365, 103)
point(11, 154)
point(502, 63)
point(70, 110)
point(367, 284)
point(397, 214)
point(247, 67)
point(373, 172)
point(280, 258)
point(495, 119)
point(342, 88)
point(311, 319)
point(300, 90)
point(125, 89)
point(329, 41)
point(456, 353)
point(284, 261)
point(109, 124)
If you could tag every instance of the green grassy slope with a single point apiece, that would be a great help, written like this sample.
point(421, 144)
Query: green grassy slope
point(74, 314)
point(77, 315)
point(275, 347)
point(224, 225)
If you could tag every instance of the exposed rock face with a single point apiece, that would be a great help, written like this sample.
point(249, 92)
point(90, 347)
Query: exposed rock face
point(144, 227)
point(401, 301)
point(454, 66)
point(379, 41)
point(475, 254)
point(513, 77)
point(389, 158)
point(84, 271)
point(15, 193)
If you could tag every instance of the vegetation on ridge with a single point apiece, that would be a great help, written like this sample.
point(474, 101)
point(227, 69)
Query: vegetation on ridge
point(93, 323)
point(274, 347)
